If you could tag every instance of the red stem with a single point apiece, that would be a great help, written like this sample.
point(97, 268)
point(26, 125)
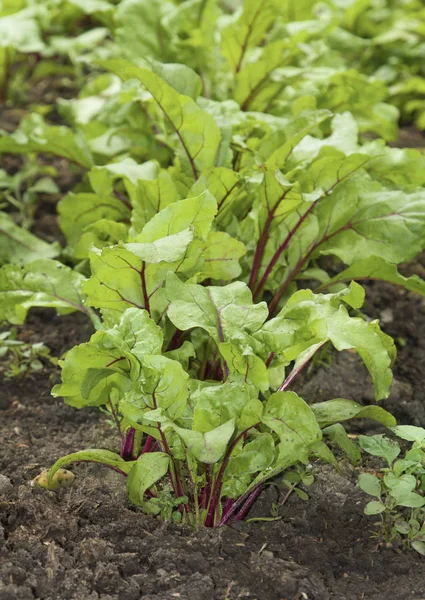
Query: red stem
point(281, 249)
point(248, 503)
point(144, 288)
point(215, 495)
point(174, 477)
point(300, 264)
point(127, 445)
point(148, 444)
point(296, 371)
point(259, 251)
point(229, 514)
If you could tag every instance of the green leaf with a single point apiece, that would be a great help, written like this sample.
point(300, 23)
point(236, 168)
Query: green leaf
point(180, 77)
point(197, 212)
point(197, 133)
point(240, 358)
point(221, 257)
point(98, 235)
point(294, 422)
point(42, 283)
point(168, 249)
point(133, 274)
point(21, 31)
point(110, 362)
point(165, 381)
point(217, 310)
point(382, 223)
point(308, 319)
point(337, 434)
point(402, 527)
point(116, 280)
point(90, 7)
point(150, 198)
point(104, 457)
point(140, 32)
point(410, 433)
point(293, 134)
point(19, 246)
point(379, 445)
point(78, 211)
point(374, 508)
point(147, 470)
point(419, 547)
point(253, 87)
point(334, 411)
point(224, 184)
point(215, 405)
point(182, 354)
point(402, 490)
point(103, 177)
point(255, 456)
point(375, 267)
point(207, 447)
point(34, 135)
point(370, 484)
point(322, 451)
point(247, 31)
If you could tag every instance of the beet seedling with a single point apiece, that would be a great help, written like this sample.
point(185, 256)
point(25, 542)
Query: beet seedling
point(399, 492)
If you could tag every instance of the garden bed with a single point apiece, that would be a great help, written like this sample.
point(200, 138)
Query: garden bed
point(90, 542)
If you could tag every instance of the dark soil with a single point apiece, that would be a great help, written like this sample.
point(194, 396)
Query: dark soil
point(89, 543)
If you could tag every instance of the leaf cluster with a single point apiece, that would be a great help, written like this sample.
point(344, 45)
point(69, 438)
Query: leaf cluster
point(399, 487)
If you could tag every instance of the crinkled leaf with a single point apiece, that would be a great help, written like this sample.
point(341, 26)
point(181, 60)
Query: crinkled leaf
point(197, 133)
point(215, 405)
point(221, 257)
point(110, 360)
point(308, 319)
